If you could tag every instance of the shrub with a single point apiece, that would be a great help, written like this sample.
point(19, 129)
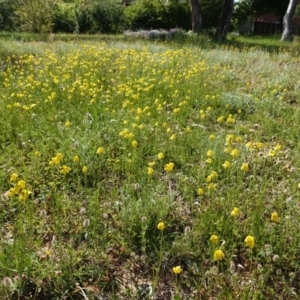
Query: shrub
point(65, 19)
point(157, 14)
point(100, 16)
point(35, 15)
point(7, 15)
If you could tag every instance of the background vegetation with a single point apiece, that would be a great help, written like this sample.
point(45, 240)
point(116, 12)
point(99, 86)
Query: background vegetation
point(92, 16)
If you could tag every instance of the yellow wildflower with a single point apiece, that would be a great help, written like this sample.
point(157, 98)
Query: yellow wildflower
point(161, 226)
point(76, 159)
point(214, 239)
point(177, 270)
point(212, 137)
point(173, 137)
point(250, 241)
point(59, 156)
point(274, 217)
point(150, 171)
point(212, 186)
point(24, 195)
point(226, 165)
point(250, 145)
point(277, 147)
point(200, 192)
point(13, 177)
point(220, 119)
point(209, 160)
point(84, 169)
point(151, 164)
point(218, 255)
point(234, 212)
point(130, 135)
point(68, 124)
point(134, 144)
point(160, 156)
point(12, 192)
point(100, 150)
point(229, 139)
point(214, 174)
point(17, 188)
point(210, 153)
point(272, 153)
point(259, 145)
point(245, 167)
point(37, 153)
point(230, 120)
point(169, 167)
point(234, 153)
point(21, 184)
point(56, 159)
point(209, 178)
point(65, 170)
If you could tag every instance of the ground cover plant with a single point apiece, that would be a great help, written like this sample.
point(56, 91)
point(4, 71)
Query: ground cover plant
point(152, 170)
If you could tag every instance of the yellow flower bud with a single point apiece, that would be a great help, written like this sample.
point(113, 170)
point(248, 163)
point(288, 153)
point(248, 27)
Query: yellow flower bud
point(161, 226)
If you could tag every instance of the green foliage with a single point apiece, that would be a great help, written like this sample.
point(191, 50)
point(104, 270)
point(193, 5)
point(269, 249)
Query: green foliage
point(211, 13)
point(146, 14)
point(100, 16)
point(158, 14)
point(35, 15)
point(65, 19)
point(7, 16)
point(244, 7)
point(242, 10)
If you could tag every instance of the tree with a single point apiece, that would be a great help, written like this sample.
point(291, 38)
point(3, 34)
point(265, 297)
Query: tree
point(7, 16)
point(196, 15)
point(64, 17)
point(211, 11)
point(287, 33)
point(35, 15)
point(225, 20)
point(277, 7)
point(100, 16)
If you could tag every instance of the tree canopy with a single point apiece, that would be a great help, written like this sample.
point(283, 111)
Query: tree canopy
point(106, 16)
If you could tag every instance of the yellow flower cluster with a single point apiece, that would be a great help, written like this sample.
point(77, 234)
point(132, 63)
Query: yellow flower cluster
point(250, 241)
point(126, 134)
point(18, 189)
point(100, 150)
point(169, 167)
point(219, 254)
point(65, 170)
point(56, 159)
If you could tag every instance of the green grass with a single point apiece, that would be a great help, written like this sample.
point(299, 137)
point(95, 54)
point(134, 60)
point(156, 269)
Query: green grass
point(90, 130)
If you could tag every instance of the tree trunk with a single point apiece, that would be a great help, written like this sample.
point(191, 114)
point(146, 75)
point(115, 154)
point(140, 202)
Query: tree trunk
point(225, 20)
point(196, 16)
point(287, 33)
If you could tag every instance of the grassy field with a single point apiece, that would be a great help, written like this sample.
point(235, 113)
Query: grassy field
point(161, 170)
